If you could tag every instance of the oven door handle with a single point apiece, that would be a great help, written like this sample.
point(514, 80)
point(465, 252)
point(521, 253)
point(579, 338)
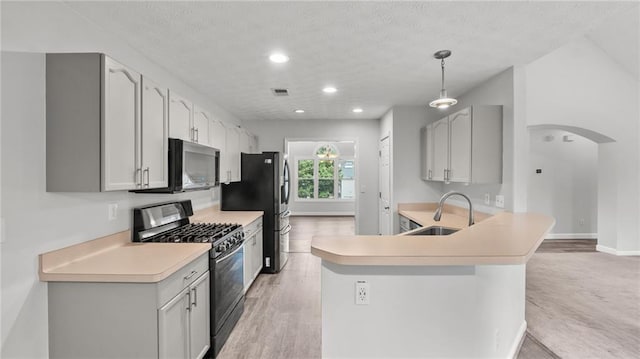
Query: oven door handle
point(218, 260)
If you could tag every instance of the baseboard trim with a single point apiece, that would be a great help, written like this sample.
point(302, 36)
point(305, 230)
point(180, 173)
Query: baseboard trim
point(517, 343)
point(571, 236)
point(615, 252)
point(323, 213)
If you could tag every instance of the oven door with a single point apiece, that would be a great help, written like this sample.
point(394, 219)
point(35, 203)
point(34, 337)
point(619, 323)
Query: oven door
point(228, 286)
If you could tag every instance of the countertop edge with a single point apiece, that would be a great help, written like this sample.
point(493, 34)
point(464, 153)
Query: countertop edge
point(323, 248)
point(122, 278)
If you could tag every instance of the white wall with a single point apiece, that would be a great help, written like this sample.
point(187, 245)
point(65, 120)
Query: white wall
point(567, 188)
point(580, 85)
point(306, 149)
point(423, 311)
point(407, 184)
point(365, 133)
point(35, 221)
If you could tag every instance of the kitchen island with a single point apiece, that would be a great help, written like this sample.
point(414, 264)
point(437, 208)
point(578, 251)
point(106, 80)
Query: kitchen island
point(460, 295)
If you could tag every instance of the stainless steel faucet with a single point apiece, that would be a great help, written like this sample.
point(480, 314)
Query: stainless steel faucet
point(438, 213)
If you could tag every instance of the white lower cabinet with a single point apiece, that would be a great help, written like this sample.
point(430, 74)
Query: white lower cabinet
point(253, 252)
point(183, 322)
point(168, 319)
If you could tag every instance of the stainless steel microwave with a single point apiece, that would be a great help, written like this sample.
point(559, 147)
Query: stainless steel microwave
point(191, 166)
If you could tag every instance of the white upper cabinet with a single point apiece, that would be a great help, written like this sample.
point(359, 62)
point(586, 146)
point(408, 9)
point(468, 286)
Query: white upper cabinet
point(426, 143)
point(460, 155)
point(245, 141)
point(232, 155)
point(440, 149)
point(253, 144)
point(200, 128)
point(180, 117)
point(155, 131)
point(95, 132)
point(466, 146)
point(121, 126)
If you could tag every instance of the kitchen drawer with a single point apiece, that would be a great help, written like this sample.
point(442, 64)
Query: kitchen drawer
point(182, 278)
point(252, 228)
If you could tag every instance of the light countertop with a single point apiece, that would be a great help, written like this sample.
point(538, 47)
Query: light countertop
point(215, 215)
point(504, 238)
point(115, 258)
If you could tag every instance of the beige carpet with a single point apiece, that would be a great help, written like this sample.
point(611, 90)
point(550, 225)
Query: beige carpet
point(585, 305)
point(303, 229)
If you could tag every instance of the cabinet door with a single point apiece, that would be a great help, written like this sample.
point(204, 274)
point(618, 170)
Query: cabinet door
point(253, 144)
point(247, 261)
point(201, 126)
point(200, 317)
point(120, 127)
point(426, 142)
point(180, 114)
point(440, 149)
point(173, 327)
point(155, 121)
point(218, 139)
point(460, 146)
point(245, 142)
point(257, 254)
point(233, 154)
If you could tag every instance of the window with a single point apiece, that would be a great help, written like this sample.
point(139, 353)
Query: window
point(325, 179)
point(347, 177)
point(305, 179)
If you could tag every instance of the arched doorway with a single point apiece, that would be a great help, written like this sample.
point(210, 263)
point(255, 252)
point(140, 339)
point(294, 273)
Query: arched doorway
point(566, 167)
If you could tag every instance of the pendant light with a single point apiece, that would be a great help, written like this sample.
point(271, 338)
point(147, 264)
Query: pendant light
point(443, 101)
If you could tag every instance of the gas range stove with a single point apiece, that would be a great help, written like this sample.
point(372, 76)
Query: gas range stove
point(169, 223)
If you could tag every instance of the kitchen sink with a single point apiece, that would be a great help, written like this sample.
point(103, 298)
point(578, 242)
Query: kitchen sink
point(433, 231)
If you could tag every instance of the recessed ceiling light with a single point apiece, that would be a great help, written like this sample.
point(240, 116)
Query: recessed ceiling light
point(329, 89)
point(357, 110)
point(299, 111)
point(278, 58)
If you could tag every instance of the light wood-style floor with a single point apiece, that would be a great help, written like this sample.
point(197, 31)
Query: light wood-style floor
point(580, 303)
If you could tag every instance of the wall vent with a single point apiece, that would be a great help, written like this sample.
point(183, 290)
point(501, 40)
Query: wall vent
point(280, 92)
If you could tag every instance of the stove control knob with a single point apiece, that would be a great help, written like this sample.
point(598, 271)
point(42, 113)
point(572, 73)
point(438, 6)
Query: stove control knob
point(221, 247)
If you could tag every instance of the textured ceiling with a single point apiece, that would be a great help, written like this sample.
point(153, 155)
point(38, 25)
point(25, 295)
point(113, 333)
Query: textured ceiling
point(378, 54)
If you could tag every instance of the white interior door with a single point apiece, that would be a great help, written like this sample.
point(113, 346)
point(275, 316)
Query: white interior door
point(384, 201)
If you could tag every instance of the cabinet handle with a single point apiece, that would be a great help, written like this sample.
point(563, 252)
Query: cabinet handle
point(190, 275)
point(429, 176)
point(188, 294)
point(138, 177)
point(197, 131)
point(146, 170)
point(195, 297)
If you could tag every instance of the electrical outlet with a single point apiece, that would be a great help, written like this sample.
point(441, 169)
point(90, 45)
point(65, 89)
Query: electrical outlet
point(487, 199)
point(362, 292)
point(581, 221)
point(113, 211)
point(497, 339)
point(499, 201)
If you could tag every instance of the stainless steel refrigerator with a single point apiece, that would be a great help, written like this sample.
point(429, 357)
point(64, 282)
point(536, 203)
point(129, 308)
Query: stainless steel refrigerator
point(264, 186)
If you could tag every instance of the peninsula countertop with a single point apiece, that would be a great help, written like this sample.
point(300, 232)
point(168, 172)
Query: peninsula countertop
point(115, 258)
point(504, 238)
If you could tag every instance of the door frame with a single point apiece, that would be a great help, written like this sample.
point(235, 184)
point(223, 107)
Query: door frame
point(388, 135)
